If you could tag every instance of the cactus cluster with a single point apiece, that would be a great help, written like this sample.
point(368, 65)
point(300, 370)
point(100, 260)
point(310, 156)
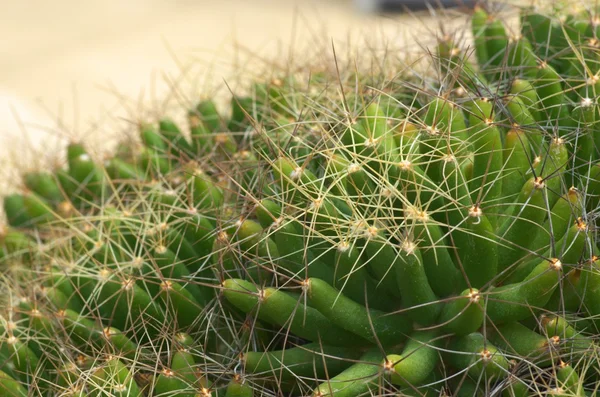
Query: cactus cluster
point(433, 234)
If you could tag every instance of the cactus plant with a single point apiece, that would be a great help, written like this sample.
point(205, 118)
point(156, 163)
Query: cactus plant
point(401, 241)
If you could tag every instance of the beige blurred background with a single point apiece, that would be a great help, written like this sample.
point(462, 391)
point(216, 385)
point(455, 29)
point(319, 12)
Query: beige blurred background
point(85, 69)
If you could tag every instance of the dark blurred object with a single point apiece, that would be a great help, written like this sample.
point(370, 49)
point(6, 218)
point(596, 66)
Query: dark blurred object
point(412, 5)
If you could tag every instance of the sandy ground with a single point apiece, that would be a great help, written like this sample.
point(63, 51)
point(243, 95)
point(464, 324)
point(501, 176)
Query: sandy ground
point(83, 70)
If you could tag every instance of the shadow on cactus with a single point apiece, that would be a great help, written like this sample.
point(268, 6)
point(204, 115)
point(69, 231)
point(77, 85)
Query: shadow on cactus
point(432, 234)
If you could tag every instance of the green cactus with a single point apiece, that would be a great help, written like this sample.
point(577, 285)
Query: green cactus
point(432, 237)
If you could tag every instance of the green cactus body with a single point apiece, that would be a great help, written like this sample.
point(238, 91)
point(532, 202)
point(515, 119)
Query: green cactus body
point(456, 63)
point(415, 290)
point(517, 158)
point(383, 260)
point(516, 388)
point(480, 357)
point(180, 302)
point(183, 363)
point(152, 139)
point(81, 329)
point(252, 239)
point(584, 120)
point(477, 250)
point(516, 338)
point(176, 142)
point(454, 182)
point(521, 58)
point(122, 345)
point(568, 380)
point(496, 45)
point(355, 318)
point(356, 380)
point(62, 301)
point(205, 193)
point(516, 230)
point(293, 253)
point(38, 209)
point(418, 188)
point(359, 185)
point(168, 384)
point(487, 148)
point(433, 143)
point(120, 170)
point(463, 314)
point(442, 274)
point(478, 26)
point(44, 184)
point(535, 26)
point(15, 211)
point(548, 87)
point(14, 242)
point(126, 296)
point(90, 178)
point(199, 232)
point(514, 302)
point(39, 322)
point(312, 359)
point(352, 279)
point(566, 210)
point(277, 308)
point(24, 360)
point(11, 387)
point(572, 343)
point(242, 111)
point(236, 388)
point(380, 140)
point(175, 241)
point(74, 150)
point(588, 287)
point(529, 97)
point(424, 227)
point(150, 161)
point(201, 137)
point(417, 361)
point(406, 136)
point(115, 378)
point(566, 297)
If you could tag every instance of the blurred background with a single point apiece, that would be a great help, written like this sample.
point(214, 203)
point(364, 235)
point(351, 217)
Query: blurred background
point(83, 70)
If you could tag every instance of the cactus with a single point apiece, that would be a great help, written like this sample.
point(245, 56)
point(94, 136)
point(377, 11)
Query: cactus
point(404, 241)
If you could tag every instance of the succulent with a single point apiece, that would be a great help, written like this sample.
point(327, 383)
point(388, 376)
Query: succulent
point(433, 234)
